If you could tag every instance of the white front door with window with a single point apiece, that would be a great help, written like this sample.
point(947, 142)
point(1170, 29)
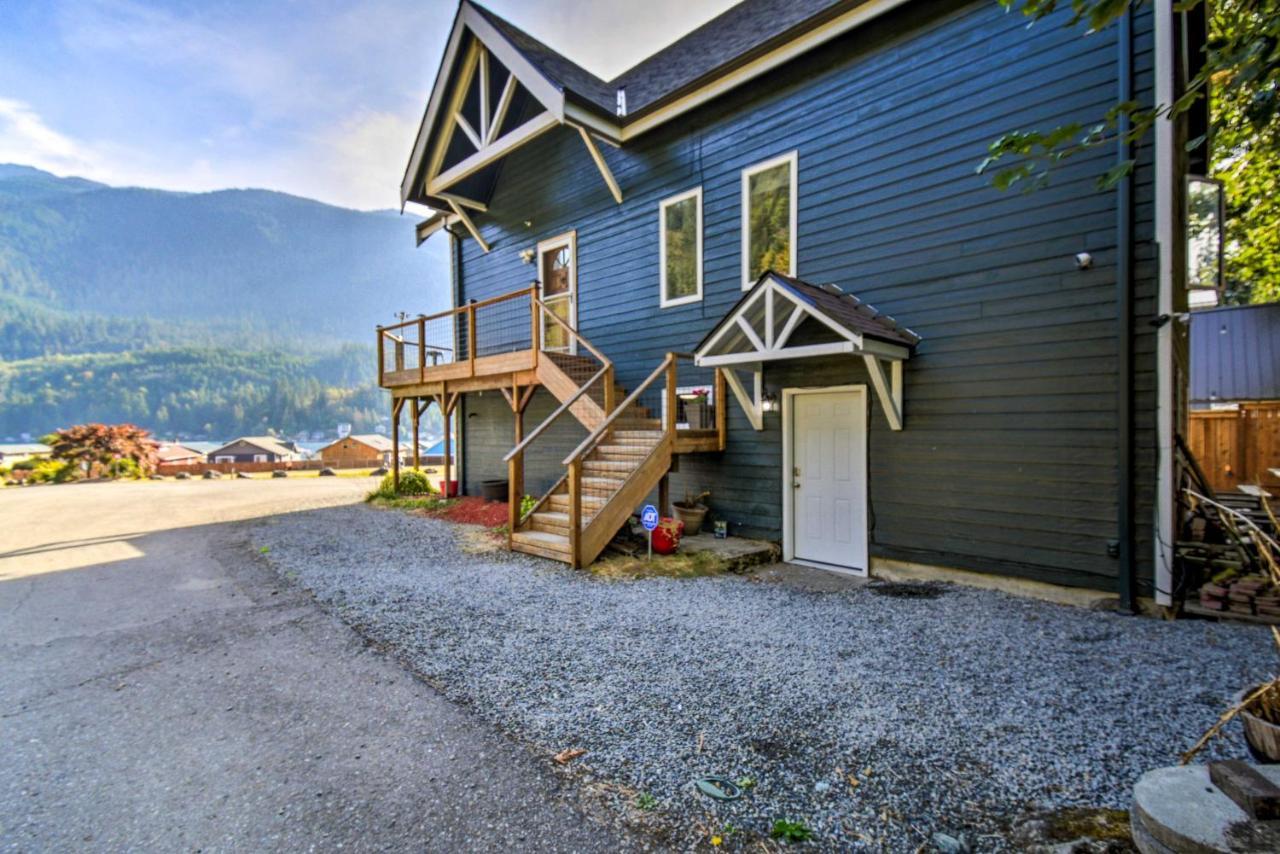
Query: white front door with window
point(826, 468)
point(558, 286)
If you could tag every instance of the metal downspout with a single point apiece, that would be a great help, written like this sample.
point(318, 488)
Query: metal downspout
point(1127, 569)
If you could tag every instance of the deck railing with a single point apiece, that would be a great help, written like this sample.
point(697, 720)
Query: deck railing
point(413, 350)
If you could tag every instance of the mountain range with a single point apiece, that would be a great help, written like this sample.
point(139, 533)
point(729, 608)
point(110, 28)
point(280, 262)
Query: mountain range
point(201, 314)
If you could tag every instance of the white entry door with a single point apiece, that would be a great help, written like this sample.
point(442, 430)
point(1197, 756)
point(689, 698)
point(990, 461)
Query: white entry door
point(828, 479)
point(558, 278)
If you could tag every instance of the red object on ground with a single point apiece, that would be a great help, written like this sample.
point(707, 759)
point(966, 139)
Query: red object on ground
point(666, 537)
point(452, 491)
point(473, 510)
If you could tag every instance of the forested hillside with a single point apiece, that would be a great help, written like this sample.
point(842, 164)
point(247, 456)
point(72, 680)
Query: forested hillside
point(207, 314)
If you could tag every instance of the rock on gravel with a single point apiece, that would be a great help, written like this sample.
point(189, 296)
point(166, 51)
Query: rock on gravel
point(950, 714)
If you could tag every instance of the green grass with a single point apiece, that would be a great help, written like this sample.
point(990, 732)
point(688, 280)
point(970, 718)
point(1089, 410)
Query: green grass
point(678, 565)
point(414, 502)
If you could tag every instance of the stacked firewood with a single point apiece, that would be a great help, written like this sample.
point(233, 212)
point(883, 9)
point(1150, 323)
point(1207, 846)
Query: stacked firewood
point(1253, 594)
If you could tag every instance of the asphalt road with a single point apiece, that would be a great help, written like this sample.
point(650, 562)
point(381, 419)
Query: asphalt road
point(161, 690)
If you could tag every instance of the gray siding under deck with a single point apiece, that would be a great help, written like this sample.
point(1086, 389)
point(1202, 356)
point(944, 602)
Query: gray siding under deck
point(1007, 460)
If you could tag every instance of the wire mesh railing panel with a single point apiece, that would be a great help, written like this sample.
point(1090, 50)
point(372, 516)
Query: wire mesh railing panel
point(440, 341)
point(504, 327)
point(695, 396)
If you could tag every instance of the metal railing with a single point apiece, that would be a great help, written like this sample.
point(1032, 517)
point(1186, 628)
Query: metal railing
point(410, 350)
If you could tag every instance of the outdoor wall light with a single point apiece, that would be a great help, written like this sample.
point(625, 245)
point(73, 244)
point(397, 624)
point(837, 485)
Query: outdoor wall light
point(769, 402)
point(526, 255)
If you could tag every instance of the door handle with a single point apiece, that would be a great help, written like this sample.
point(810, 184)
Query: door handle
point(795, 485)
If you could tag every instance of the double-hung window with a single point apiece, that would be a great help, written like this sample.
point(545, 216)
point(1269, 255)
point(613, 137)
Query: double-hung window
point(769, 218)
point(680, 248)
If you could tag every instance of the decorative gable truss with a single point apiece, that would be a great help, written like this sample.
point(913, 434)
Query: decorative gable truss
point(776, 320)
point(488, 100)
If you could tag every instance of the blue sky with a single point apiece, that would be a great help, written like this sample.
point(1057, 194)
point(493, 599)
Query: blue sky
point(315, 97)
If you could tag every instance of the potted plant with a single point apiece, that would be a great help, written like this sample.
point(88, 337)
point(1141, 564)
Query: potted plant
point(696, 411)
point(691, 511)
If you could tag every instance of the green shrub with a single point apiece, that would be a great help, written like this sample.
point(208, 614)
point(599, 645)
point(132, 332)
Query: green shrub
point(53, 471)
point(412, 482)
point(124, 468)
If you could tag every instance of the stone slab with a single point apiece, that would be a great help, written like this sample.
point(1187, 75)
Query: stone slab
point(1180, 810)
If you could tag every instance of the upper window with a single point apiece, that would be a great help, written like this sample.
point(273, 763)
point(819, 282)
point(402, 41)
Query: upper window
point(680, 248)
point(769, 218)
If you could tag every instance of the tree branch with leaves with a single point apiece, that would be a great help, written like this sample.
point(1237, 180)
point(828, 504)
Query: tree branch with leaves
point(1241, 77)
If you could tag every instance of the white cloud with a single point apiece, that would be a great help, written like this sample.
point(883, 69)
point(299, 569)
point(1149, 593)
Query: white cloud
point(26, 139)
point(361, 159)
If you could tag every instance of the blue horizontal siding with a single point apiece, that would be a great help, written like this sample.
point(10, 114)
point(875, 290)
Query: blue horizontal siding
point(1007, 462)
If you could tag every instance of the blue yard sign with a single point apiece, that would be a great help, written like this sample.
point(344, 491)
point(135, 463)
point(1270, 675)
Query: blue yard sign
point(649, 518)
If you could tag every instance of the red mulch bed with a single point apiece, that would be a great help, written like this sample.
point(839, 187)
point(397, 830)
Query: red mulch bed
point(471, 510)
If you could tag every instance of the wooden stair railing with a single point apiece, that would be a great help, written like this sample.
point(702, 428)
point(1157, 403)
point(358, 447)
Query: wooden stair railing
point(646, 469)
point(613, 469)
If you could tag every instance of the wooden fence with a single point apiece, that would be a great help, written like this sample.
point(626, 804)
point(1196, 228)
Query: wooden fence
point(1237, 446)
point(248, 468)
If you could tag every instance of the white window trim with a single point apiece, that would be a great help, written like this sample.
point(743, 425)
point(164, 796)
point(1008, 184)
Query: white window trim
point(791, 157)
point(663, 301)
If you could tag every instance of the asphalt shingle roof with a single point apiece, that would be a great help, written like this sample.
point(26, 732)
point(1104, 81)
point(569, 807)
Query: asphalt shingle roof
point(731, 38)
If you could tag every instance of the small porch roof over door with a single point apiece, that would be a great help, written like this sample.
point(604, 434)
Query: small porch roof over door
point(782, 317)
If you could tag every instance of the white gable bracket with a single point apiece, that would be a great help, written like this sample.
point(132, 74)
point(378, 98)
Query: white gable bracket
point(466, 221)
point(889, 391)
point(752, 408)
point(594, 150)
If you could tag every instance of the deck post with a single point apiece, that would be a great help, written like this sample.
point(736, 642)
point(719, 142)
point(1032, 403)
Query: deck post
point(722, 410)
point(422, 349)
point(664, 495)
point(382, 357)
point(446, 411)
point(471, 336)
point(417, 413)
point(515, 468)
point(396, 404)
point(670, 425)
point(609, 401)
point(535, 332)
point(575, 513)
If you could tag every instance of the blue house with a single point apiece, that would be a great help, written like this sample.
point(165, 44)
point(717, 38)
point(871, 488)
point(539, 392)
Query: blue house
point(761, 264)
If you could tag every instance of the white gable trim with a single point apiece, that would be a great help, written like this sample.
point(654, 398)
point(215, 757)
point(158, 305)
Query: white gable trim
point(490, 40)
point(771, 348)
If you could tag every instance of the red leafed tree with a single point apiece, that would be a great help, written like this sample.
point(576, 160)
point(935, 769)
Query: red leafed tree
point(99, 445)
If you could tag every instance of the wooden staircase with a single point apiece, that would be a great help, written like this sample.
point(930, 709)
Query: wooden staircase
point(627, 453)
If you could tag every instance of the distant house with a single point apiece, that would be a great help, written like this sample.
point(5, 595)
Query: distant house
point(1235, 355)
point(253, 449)
point(172, 453)
point(358, 451)
point(16, 453)
point(434, 456)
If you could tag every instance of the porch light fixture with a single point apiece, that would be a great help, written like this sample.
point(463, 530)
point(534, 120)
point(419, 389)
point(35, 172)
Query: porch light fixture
point(526, 255)
point(769, 402)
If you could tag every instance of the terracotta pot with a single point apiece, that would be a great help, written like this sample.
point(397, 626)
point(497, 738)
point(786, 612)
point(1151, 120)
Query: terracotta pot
point(1262, 737)
point(692, 516)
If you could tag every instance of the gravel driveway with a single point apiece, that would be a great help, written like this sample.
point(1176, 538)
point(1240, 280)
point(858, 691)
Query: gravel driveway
point(873, 719)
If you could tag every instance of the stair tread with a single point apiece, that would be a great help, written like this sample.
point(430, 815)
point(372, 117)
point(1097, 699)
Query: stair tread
point(546, 539)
